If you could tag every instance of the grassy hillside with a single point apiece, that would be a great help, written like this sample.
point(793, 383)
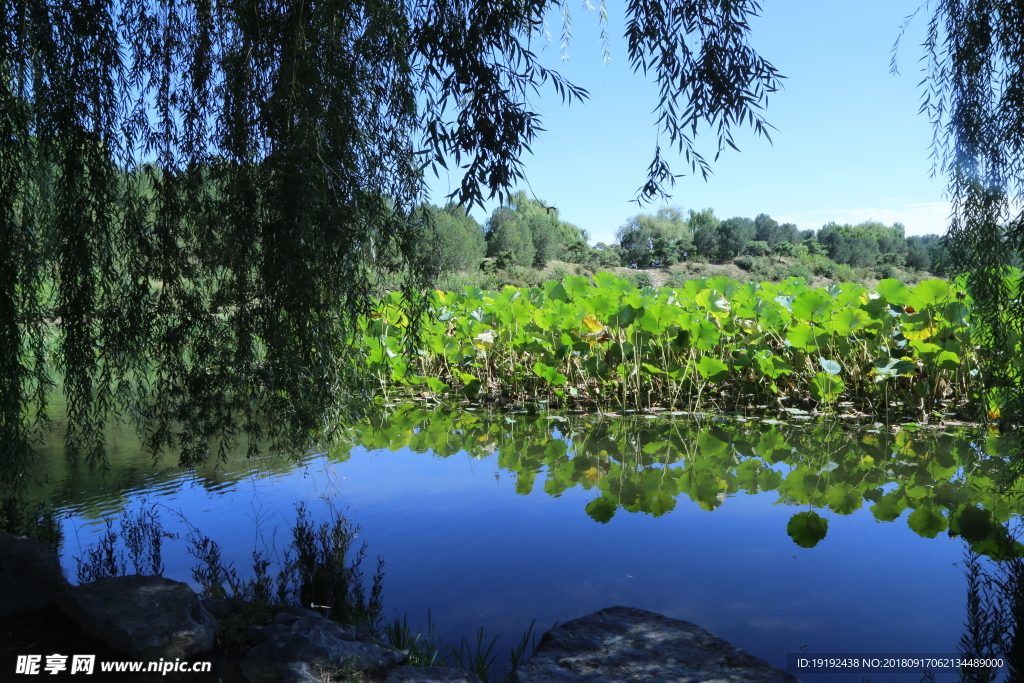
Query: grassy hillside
point(817, 271)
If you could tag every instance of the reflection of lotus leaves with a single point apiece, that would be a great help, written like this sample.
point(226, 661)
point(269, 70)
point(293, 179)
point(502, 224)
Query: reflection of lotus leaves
point(644, 465)
point(973, 523)
point(927, 521)
point(807, 529)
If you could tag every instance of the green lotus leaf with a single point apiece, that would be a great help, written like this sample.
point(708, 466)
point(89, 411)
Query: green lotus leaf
point(714, 302)
point(712, 369)
point(924, 349)
point(811, 306)
point(626, 316)
point(723, 284)
point(803, 337)
point(947, 360)
point(472, 388)
point(785, 301)
point(545, 318)
point(847, 321)
point(931, 292)
point(826, 388)
point(612, 284)
point(596, 367)
point(555, 291)
point(691, 288)
point(704, 335)
point(893, 291)
point(893, 366)
point(957, 313)
point(576, 286)
point(658, 318)
point(549, 374)
point(436, 385)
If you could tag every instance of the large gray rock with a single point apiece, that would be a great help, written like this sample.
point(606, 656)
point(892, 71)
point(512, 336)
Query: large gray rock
point(302, 635)
point(628, 645)
point(148, 617)
point(430, 674)
point(30, 575)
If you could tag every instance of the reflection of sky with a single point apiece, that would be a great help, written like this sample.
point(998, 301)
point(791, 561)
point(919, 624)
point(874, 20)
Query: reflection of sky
point(459, 542)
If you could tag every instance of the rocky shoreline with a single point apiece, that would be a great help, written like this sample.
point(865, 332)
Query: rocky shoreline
point(154, 618)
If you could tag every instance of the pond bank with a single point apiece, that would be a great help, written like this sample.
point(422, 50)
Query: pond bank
point(153, 619)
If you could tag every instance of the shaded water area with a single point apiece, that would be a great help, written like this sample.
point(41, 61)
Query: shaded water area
point(779, 536)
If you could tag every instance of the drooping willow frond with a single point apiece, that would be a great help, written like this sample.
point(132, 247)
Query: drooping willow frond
point(974, 97)
point(198, 198)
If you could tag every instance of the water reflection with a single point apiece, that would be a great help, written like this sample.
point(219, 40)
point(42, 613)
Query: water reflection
point(549, 529)
point(648, 464)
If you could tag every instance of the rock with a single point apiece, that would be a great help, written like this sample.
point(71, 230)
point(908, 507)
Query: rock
point(430, 674)
point(223, 608)
point(30, 575)
point(302, 635)
point(265, 671)
point(148, 617)
point(628, 645)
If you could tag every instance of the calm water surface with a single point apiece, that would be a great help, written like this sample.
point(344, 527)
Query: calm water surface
point(494, 521)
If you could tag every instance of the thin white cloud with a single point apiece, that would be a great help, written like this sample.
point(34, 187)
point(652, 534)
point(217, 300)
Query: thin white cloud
point(919, 218)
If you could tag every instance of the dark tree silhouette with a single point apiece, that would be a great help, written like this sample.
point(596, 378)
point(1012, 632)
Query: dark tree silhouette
point(198, 198)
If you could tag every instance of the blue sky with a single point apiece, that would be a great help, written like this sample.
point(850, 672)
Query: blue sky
point(850, 145)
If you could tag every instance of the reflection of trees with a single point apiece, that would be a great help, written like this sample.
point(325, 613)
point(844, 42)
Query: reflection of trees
point(995, 610)
point(944, 479)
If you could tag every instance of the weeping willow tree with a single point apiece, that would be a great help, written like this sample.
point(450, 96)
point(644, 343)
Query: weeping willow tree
point(198, 198)
point(974, 96)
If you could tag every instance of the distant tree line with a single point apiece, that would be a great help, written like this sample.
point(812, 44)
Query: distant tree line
point(527, 232)
point(521, 232)
point(666, 238)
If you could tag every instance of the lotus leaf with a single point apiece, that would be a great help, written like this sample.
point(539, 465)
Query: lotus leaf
point(712, 369)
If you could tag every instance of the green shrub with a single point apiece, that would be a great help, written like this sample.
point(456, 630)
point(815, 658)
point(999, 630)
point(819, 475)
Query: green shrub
point(756, 248)
point(676, 278)
point(516, 276)
point(887, 270)
point(822, 266)
point(798, 270)
point(765, 269)
point(797, 251)
point(640, 279)
point(746, 262)
point(454, 282)
point(845, 273)
point(558, 272)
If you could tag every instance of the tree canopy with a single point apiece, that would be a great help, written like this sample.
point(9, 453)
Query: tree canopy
point(198, 198)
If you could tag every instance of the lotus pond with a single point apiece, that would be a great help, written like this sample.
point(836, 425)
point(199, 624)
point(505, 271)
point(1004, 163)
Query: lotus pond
point(780, 536)
point(711, 344)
